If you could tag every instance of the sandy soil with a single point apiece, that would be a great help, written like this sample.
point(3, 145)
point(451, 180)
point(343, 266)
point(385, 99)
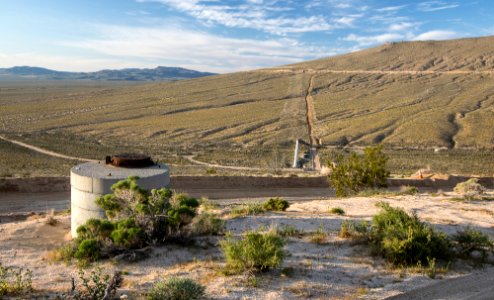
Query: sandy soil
point(335, 269)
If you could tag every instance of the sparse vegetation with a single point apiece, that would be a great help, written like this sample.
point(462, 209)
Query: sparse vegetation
point(50, 218)
point(176, 288)
point(64, 253)
point(288, 230)
point(408, 190)
point(470, 189)
point(94, 286)
point(356, 231)
point(254, 251)
point(469, 240)
point(14, 281)
point(248, 209)
point(320, 236)
point(207, 224)
point(349, 175)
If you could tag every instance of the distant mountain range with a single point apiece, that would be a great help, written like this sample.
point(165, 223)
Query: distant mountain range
point(132, 74)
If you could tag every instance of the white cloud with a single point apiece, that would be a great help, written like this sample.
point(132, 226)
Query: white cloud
point(401, 26)
point(373, 39)
point(430, 6)
point(347, 21)
point(263, 15)
point(391, 8)
point(195, 50)
point(435, 35)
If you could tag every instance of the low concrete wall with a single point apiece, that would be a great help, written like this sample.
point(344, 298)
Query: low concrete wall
point(230, 182)
point(60, 184)
point(35, 185)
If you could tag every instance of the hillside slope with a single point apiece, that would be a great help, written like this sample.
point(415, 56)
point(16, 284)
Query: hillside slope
point(413, 95)
point(472, 54)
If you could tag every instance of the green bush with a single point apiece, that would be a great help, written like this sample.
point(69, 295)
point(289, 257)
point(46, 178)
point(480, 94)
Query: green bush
point(404, 240)
point(254, 251)
point(337, 211)
point(469, 240)
point(14, 281)
point(88, 249)
point(127, 234)
point(349, 175)
point(175, 288)
point(276, 204)
point(95, 229)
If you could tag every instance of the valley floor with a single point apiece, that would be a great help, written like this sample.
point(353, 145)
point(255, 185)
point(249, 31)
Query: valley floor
point(333, 268)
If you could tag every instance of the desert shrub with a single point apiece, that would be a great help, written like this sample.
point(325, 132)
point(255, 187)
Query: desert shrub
point(354, 230)
point(337, 211)
point(127, 234)
point(207, 224)
point(95, 229)
point(14, 281)
point(211, 171)
point(64, 253)
point(469, 240)
point(94, 286)
point(256, 250)
point(319, 236)
point(248, 209)
point(349, 175)
point(404, 240)
point(408, 190)
point(276, 204)
point(88, 249)
point(50, 218)
point(288, 230)
point(207, 204)
point(176, 288)
point(470, 189)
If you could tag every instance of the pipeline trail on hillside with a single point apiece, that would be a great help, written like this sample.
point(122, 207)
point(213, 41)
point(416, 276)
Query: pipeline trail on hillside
point(311, 120)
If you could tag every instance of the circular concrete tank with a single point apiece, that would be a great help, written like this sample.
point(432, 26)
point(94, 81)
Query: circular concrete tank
point(90, 180)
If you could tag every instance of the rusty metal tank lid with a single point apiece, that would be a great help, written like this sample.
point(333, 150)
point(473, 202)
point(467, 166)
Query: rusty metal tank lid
point(130, 160)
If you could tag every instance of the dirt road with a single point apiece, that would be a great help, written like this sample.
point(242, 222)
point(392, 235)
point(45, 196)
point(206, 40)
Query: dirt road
point(44, 151)
point(22, 203)
point(476, 286)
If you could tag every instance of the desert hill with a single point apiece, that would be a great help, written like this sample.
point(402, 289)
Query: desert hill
point(405, 95)
point(470, 54)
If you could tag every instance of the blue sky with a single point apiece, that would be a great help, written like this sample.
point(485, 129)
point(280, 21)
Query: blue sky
point(219, 35)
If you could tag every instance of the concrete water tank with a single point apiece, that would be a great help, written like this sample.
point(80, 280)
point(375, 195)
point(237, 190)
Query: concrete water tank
point(90, 180)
